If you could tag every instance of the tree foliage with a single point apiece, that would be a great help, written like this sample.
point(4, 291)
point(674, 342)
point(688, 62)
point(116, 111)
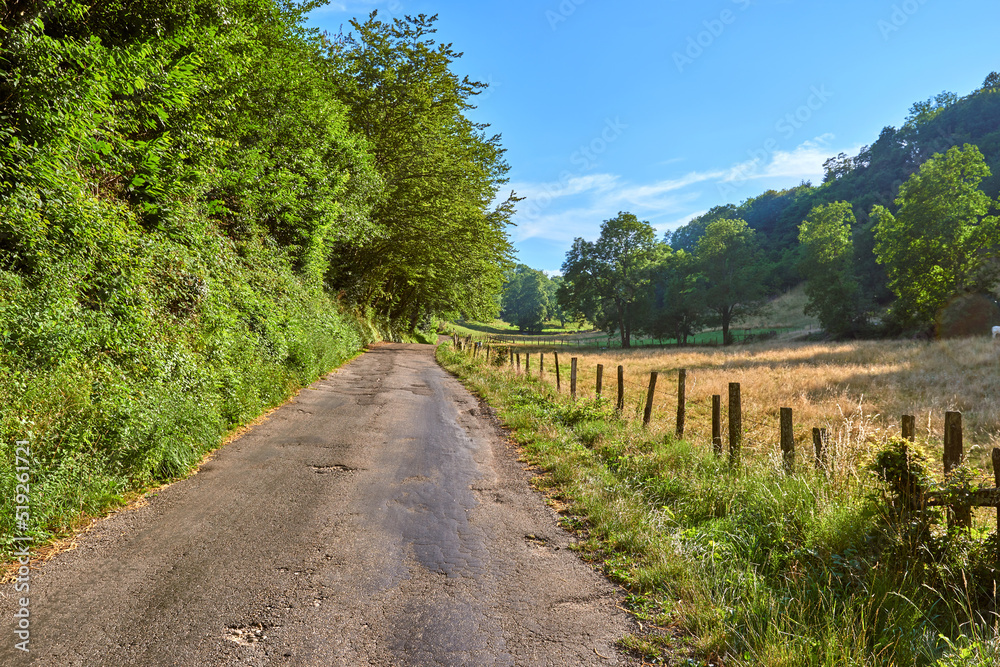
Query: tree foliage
point(525, 301)
point(835, 296)
point(677, 307)
point(729, 259)
point(440, 247)
point(941, 242)
point(608, 279)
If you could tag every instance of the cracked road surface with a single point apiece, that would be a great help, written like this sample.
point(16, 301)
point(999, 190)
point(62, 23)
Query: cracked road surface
point(376, 519)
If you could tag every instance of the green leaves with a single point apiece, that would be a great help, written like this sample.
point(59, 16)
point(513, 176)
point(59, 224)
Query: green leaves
point(829, 268)
point(440, 247)
point(729, 259)
point(525, 301)
point(607, 280)
point(942, 241)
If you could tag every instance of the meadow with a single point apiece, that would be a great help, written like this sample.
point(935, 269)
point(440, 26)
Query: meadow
point(747, 565)
point(857, 390)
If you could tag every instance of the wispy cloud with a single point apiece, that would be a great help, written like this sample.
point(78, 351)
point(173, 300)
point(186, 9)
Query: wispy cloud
point(806, 160)
point(563, 210)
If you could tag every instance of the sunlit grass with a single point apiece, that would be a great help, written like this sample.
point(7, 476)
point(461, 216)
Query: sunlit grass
point(750, 566)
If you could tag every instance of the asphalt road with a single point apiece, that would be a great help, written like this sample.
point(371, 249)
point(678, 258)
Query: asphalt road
point(379, 518)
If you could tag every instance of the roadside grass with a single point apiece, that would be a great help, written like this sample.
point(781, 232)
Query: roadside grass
point(747, 566)
point(116, 399)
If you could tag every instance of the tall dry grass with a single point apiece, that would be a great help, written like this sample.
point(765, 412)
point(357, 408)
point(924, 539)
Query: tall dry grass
point(856, 390)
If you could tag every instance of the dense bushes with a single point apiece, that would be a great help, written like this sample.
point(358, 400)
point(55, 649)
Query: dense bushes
point(193, 224)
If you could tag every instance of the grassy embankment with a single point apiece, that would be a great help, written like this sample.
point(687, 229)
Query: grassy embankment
point(748, 565)
point(126, 364)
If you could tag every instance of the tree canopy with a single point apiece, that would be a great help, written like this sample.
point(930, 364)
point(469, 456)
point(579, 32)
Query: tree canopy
point(941, 242)
point(835, 296)
point(525, 301)
point(608, 279)
point(350, 156)
point(729, 257)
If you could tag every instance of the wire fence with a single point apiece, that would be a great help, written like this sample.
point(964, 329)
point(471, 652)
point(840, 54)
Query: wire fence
point(605, 341)
point(650, 400)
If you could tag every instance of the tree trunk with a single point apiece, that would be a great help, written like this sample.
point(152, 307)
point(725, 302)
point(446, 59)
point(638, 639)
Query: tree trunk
point(621, 325)
point(726, 317)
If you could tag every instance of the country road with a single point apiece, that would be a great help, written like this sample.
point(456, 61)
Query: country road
point(378, 518)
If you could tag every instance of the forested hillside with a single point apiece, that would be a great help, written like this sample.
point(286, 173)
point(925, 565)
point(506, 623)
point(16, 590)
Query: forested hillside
point(205, 205)
point(892, 239)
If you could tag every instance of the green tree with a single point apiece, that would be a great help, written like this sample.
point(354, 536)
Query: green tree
point(729, 259)
point(942, 241)
point(441, 248)
point(828, 266)
point(525, 302)
point(678, 308)
point(556, 311)
point(607, 280)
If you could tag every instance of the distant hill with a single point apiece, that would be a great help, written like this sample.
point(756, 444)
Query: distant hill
point(871, 177)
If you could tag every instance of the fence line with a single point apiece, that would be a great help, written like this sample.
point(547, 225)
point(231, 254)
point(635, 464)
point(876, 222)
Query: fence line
point(608, 342)
point(958, 506)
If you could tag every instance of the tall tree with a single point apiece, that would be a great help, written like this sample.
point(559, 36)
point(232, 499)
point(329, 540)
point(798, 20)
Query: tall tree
point(828, 267)
point(442, 248)
point(942, 241)
point(729, 259)
point(678, 307)
point(608, 279)
point(525, 302)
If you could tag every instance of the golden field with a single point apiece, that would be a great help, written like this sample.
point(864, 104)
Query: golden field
point(857, 390)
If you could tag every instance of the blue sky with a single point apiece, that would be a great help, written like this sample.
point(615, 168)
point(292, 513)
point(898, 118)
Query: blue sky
point(665, 109)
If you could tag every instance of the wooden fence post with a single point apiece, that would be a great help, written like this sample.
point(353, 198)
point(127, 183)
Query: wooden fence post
point(819, 444)
point(527, 363)
point(620, 404)
point(909, 427)
point(558, 381)
point(787, 440)
point(518, 363)
point(541, 365)
point(647, 415)
point(735, 423)
point(954, 453)
point(600, 378)
point(681, 387)
point(717, 424)
point(572, 378)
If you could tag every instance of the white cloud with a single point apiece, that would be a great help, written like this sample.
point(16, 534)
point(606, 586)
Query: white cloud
point(805, 161)
point(577, 205)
